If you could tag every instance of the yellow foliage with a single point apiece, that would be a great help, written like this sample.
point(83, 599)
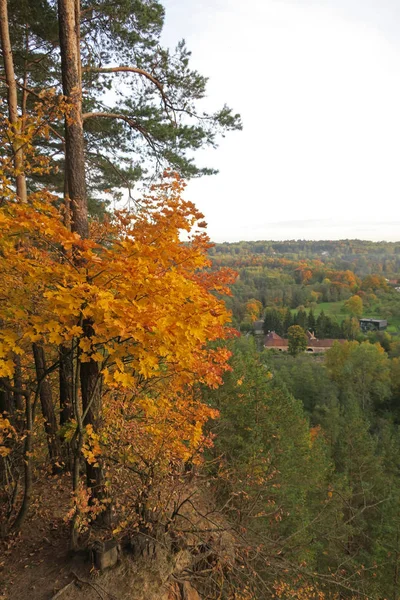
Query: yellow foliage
point(7, 432)
point(149, 299)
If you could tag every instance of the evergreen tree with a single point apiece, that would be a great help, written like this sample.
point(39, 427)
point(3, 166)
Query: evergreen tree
point(274, 466)
point(273, 321)
point(311, 322)
point(288, 321)
point(301, 318)
point(155, 122)
point(321, 326)
point(362, 485)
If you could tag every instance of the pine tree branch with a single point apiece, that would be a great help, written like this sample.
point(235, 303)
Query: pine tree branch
point(142, 72)
point(131, 122)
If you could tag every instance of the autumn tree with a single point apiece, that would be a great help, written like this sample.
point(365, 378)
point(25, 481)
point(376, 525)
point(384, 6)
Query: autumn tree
point(63, 247)
point(15, 133)
point(354, 306)
point(253, 309)
point(146, 356)
point(373, 283)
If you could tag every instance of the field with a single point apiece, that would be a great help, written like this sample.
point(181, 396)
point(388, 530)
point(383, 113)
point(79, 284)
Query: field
point(335, 311)
point(331, 309)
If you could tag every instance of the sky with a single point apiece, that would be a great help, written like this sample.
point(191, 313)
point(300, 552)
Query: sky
point(317, 83)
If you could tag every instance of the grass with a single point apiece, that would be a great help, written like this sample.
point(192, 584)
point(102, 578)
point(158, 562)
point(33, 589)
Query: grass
point(331, 309)
point(334, 310)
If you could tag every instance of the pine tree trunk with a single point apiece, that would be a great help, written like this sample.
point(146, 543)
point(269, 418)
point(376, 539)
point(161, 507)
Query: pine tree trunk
point(69, 30)
point(69, 26)
point(46, 400)
point(12, 99)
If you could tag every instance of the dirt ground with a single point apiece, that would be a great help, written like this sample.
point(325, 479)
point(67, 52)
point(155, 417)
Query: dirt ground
point(36, 565)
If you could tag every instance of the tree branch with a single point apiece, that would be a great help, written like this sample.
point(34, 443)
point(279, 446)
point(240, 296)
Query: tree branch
point(131, 122)
point(142, 72)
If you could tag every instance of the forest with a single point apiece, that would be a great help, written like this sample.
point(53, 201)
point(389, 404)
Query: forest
point(150, 446)
point(342, 280)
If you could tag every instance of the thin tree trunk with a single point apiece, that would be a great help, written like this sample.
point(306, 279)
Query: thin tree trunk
point(12, 100)
point(77, 444)
point(46, 400)
point(92, 412)
point(65, 377)
point(5, 399)
point(17, 397)
point(66, 372)
point(23, 511)
point(20, 184)
point(91, 406)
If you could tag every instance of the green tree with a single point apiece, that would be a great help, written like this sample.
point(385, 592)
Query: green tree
point(308, 381)
point(361, 371)
point(301, 318)
point(363, 486)
point(311, 321)
point(350, 328)
point(321, 325)
point(276, 469)
point(297, 340)
point(273, 321)
point(152, 121)
point(288, 321)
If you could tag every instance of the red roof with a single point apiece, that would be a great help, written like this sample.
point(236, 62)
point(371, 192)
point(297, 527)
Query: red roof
point(273, 340)
point(323, 343)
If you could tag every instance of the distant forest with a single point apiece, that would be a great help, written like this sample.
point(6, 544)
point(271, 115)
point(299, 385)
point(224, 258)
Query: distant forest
point(313, 276)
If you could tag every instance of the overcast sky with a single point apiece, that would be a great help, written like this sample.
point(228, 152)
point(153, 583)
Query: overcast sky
point(317, 83)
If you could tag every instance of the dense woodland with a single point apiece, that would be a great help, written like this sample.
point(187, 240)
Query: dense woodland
point(138, 408)
point(340, 279)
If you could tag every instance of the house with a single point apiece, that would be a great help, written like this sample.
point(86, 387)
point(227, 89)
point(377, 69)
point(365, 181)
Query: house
point(373, 324)
point(314, 346)
point(318, 346)
point(273, 340)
